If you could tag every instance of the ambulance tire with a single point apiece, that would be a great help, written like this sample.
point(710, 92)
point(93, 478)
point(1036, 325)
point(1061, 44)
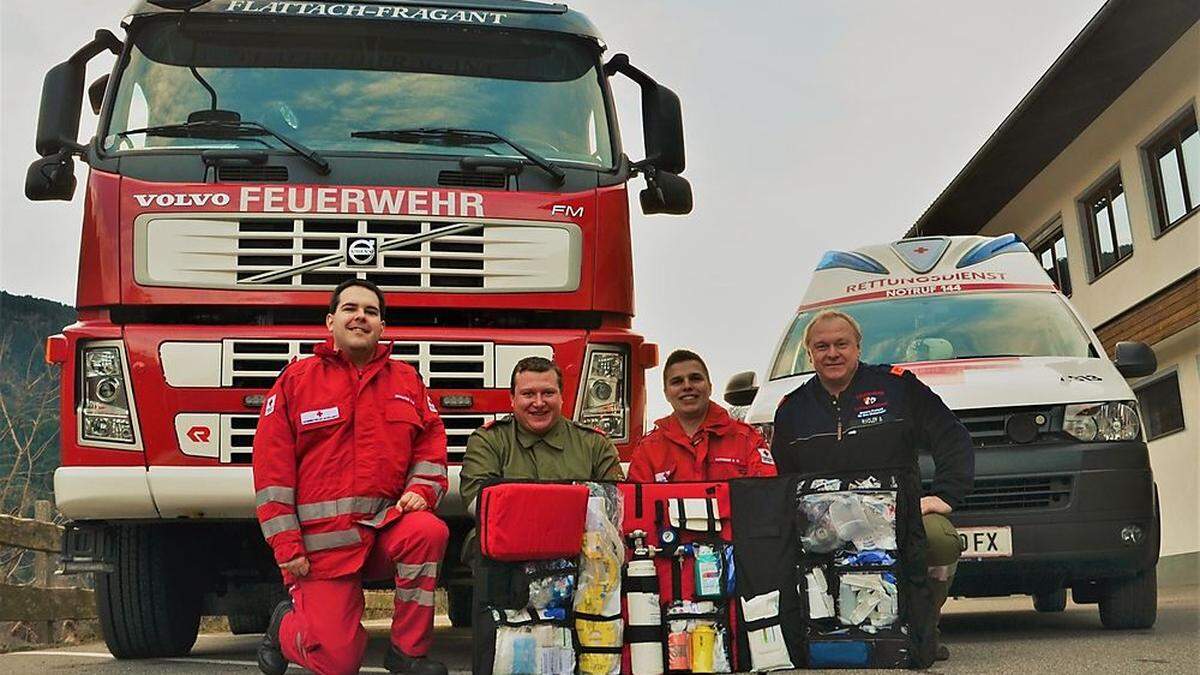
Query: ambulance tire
point(146, 605)
point(248, 624)
point(460, 605)
point(1130, 603)
point(1054, 601)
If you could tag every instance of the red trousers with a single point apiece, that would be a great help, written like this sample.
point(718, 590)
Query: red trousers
point(324, 632)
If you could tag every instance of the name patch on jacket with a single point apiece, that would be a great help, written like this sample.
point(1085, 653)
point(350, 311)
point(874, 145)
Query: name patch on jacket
point(322, 415)
point(871, 407)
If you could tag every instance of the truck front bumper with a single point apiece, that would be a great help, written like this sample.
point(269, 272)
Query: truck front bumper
point(125, 493)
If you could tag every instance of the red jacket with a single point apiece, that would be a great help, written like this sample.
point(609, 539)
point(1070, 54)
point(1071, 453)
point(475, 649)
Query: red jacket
point(722, 448)
point(334, 450)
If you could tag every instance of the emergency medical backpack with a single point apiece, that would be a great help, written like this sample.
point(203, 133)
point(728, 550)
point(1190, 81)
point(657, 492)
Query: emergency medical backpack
point(862, 585)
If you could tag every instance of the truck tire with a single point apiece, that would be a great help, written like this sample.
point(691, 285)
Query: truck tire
point(1130, 603)
point(247, 624)
point(459, 601)
point(1054, 601)
point(149, 605)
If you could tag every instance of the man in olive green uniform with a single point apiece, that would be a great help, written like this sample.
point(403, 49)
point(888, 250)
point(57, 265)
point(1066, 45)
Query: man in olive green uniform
point(536, 442)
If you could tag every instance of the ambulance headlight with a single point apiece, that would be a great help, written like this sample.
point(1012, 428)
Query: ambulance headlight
point(1110, 421)
point(604, 396)
point(105, 411)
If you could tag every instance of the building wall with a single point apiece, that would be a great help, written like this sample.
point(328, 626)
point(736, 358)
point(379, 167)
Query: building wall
point(1113, 141)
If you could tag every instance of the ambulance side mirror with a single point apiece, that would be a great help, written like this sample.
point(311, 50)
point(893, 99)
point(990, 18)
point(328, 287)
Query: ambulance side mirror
point(1135, 359)
point(741, 388)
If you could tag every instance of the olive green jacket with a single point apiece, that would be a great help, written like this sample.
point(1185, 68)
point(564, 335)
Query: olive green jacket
point(503, 449)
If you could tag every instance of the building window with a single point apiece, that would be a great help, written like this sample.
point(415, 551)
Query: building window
point(1162, 409)
point(1109, 236)
point(1175, 167)
point(1052, 253)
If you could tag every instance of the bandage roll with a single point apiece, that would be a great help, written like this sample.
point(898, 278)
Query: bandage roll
point(645, 618)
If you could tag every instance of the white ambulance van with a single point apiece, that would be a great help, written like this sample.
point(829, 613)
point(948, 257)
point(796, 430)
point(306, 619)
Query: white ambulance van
point(1064, 496)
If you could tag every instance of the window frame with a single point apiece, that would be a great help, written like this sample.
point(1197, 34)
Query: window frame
point(1159, 378)
point(1046, 242)
point(1173, 136)
point(1104, 188)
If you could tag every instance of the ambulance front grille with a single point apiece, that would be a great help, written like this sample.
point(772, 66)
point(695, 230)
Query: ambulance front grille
point(1016, 493)
point(237, 436)
point(255, 364)
point(987, 425)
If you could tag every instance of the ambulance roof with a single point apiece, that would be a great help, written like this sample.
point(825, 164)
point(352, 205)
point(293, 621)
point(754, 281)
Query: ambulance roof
point(925, 266)
point(524, 14)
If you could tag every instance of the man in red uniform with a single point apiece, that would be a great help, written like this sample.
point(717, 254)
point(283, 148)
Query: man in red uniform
point(349, 465)
point(699, 440)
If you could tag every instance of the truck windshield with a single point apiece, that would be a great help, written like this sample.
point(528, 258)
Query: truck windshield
point(319, 81)
point(943, 327)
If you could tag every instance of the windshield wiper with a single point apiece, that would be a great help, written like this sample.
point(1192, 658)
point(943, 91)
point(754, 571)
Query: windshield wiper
point(230, 129)
point(451, 136)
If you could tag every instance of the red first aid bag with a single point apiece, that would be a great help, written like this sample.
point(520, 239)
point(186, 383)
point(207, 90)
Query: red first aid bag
point(531, 521)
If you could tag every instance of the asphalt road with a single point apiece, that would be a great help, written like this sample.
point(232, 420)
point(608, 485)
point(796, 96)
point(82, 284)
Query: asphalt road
point(984, 636)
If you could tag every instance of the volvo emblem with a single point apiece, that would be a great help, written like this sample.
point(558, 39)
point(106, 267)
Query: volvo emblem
point(361, 251)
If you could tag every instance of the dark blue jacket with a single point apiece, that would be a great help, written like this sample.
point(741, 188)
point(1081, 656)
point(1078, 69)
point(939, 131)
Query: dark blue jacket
point(883, 419)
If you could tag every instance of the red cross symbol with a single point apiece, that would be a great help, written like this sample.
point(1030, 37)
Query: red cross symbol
point(920, 249)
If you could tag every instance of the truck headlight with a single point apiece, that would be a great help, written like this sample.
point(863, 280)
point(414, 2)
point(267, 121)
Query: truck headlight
point(1110, 421)
point(603, 398)
point(105, 414)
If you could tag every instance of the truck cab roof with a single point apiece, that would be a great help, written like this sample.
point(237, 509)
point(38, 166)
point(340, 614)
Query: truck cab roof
point(520, 14)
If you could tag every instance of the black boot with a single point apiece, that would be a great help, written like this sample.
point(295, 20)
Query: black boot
point(397, 661)
point(941, 653)
point(270, 656)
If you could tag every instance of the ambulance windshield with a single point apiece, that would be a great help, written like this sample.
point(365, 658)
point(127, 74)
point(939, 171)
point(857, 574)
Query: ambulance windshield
point(946, 327)
point(318, 80)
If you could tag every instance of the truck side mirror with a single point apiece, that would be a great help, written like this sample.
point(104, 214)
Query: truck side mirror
point(62, 97)
point(1135, 359)
point(666, 193)
point(741, 388)
point(662, 118)
point(51, 177)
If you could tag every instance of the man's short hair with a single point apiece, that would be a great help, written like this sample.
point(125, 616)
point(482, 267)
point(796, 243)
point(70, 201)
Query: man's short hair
point(680, 356)
point(333, 299)
point(832, 314)
point(534, 364)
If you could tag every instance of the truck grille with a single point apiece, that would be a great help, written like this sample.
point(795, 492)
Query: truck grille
point(226, 252)
point(444, 365)
point(987, 426)
point(1031, 492)
point(237, 435)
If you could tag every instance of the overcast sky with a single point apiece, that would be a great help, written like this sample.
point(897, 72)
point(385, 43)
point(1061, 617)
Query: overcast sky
point(809, 126)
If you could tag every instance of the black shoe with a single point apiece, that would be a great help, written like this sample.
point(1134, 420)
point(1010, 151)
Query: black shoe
point(942, 653)
point(270, 656)
point(397, 661)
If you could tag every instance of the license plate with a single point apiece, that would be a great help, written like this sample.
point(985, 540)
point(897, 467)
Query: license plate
point(985, 542)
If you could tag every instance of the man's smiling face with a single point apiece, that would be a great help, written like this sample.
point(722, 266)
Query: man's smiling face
point(357, 324)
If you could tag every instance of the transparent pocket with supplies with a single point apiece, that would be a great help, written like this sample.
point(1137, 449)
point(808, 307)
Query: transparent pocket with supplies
point(849, 576)
point(532, 643)
point(848, 520)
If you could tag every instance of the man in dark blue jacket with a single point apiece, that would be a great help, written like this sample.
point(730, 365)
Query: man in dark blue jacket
point(854, 415)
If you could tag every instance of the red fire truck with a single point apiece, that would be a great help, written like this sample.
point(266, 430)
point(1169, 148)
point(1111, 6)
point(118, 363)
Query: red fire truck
point(250, 156)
